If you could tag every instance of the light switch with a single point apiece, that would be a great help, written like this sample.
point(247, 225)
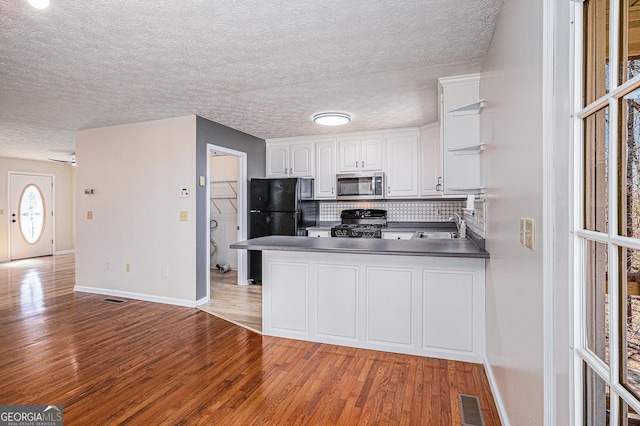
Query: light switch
point(528, 233)
point(184, 216)
point(203, 182)
point(184, 192)
point(89, 214)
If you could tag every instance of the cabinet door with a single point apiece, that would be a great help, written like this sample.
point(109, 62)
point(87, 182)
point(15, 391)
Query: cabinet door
point(349, 155)
point(448, 298)
point(301, 160)
point(278, 161)
point(325, 181)
point(371, 154)
point(431, 156)
point(402, 166)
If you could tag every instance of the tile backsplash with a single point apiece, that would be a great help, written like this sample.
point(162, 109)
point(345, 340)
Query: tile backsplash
point(476, 221)
point(397, 211)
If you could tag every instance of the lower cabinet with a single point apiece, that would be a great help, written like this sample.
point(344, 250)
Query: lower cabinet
point(427, 306)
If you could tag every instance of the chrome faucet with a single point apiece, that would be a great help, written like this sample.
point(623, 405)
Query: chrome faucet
point(456, 219)
point(460, 224)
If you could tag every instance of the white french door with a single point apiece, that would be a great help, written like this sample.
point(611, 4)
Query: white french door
point(31, 220)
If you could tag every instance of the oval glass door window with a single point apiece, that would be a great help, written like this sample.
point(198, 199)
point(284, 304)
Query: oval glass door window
point(31, 214)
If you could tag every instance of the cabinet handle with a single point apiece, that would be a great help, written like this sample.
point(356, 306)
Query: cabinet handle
point(362, 162)
point(389, 189)
point(439, 185)
point(332, 191)
point(290, 171)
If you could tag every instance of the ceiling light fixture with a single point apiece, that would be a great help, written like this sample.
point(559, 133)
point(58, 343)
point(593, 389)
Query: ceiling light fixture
point(332, 118)
point(39, 4)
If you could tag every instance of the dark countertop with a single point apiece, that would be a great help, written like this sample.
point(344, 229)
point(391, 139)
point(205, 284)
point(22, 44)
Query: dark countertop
point(417, 247)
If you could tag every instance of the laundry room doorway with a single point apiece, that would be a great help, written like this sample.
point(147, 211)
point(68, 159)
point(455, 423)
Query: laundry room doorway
point(227, 211)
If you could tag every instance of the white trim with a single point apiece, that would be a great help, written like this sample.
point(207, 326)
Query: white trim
point(138, 296)
point(242, 210)
point(3, 260)
point(62, 252)
point(548, 211)
point(495, 390)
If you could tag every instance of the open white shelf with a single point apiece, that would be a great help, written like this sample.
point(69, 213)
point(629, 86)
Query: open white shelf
point(467, 190)
point(470, 109)
point(467, 150)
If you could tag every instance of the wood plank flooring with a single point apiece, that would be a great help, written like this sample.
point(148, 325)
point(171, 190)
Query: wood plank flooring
point(239, 304)
point(142, 363)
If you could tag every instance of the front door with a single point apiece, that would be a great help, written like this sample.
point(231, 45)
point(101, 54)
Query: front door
point(31, 215)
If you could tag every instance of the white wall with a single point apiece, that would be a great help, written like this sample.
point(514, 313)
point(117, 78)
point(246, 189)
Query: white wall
point(511, 127)
point(64, 239)
point(136, 171)
point(224, 169)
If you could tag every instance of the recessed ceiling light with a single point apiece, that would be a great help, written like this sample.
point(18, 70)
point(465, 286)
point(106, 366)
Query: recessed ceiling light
point(39, 4)
point(332, 118)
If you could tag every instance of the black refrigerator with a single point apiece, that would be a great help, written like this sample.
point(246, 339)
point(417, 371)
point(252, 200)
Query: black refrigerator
point(278, 207)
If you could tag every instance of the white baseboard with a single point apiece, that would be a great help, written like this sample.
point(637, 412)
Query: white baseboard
point(202, 301)
point(137, 296)
point(502, 412)
point(5, 260)
point(61, 252)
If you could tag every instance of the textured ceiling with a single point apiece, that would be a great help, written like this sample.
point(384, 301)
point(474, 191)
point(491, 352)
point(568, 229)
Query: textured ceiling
point(262, 67)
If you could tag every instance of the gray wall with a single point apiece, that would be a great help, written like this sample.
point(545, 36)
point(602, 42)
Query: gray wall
point(208, 132)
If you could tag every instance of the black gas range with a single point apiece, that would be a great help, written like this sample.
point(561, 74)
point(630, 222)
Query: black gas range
point(361, 223)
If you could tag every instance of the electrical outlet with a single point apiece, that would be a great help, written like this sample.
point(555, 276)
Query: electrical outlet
point(184, 216)
point(1, 212)
point(522, 220)
point(165, 272)
point(89, 214)
point(127, 267)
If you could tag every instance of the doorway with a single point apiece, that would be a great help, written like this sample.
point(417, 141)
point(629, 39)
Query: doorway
point(31, 226)
point(227, 211)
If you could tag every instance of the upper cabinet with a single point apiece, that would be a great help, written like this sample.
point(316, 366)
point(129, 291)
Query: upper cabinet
point(325, 179)
point(401, 165)
point(358, 154)
point(459, 110)
point(430, 161)
point(290, 160)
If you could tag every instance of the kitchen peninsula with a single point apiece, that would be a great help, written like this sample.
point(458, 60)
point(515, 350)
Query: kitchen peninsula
point(421, 296)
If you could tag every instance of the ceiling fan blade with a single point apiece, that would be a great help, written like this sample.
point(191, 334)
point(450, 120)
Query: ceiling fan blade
point(63, 161)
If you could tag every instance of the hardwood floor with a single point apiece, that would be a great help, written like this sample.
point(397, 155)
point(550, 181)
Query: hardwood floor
point(239, 304)
point(144, 363)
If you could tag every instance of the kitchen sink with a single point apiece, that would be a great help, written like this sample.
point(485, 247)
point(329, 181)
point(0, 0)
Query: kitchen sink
point(437, 234)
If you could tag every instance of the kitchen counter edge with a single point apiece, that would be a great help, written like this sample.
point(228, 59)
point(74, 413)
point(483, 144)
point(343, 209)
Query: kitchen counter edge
point(419, 247)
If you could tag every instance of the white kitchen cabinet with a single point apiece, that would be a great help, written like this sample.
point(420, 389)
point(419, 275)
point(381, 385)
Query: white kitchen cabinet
point(431, 161)
point(418, 305)
point(360, 154)
point(290, 160)
point(459, 109)
point(325, 178)
point(401, 166)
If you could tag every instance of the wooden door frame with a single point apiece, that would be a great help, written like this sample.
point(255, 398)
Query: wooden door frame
point(53, 208)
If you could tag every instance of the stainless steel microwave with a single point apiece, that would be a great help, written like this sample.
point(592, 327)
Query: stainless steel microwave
point(360, 186)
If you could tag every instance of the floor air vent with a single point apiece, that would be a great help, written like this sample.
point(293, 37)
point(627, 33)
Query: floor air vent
point(470, 411)
point(114, 301)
